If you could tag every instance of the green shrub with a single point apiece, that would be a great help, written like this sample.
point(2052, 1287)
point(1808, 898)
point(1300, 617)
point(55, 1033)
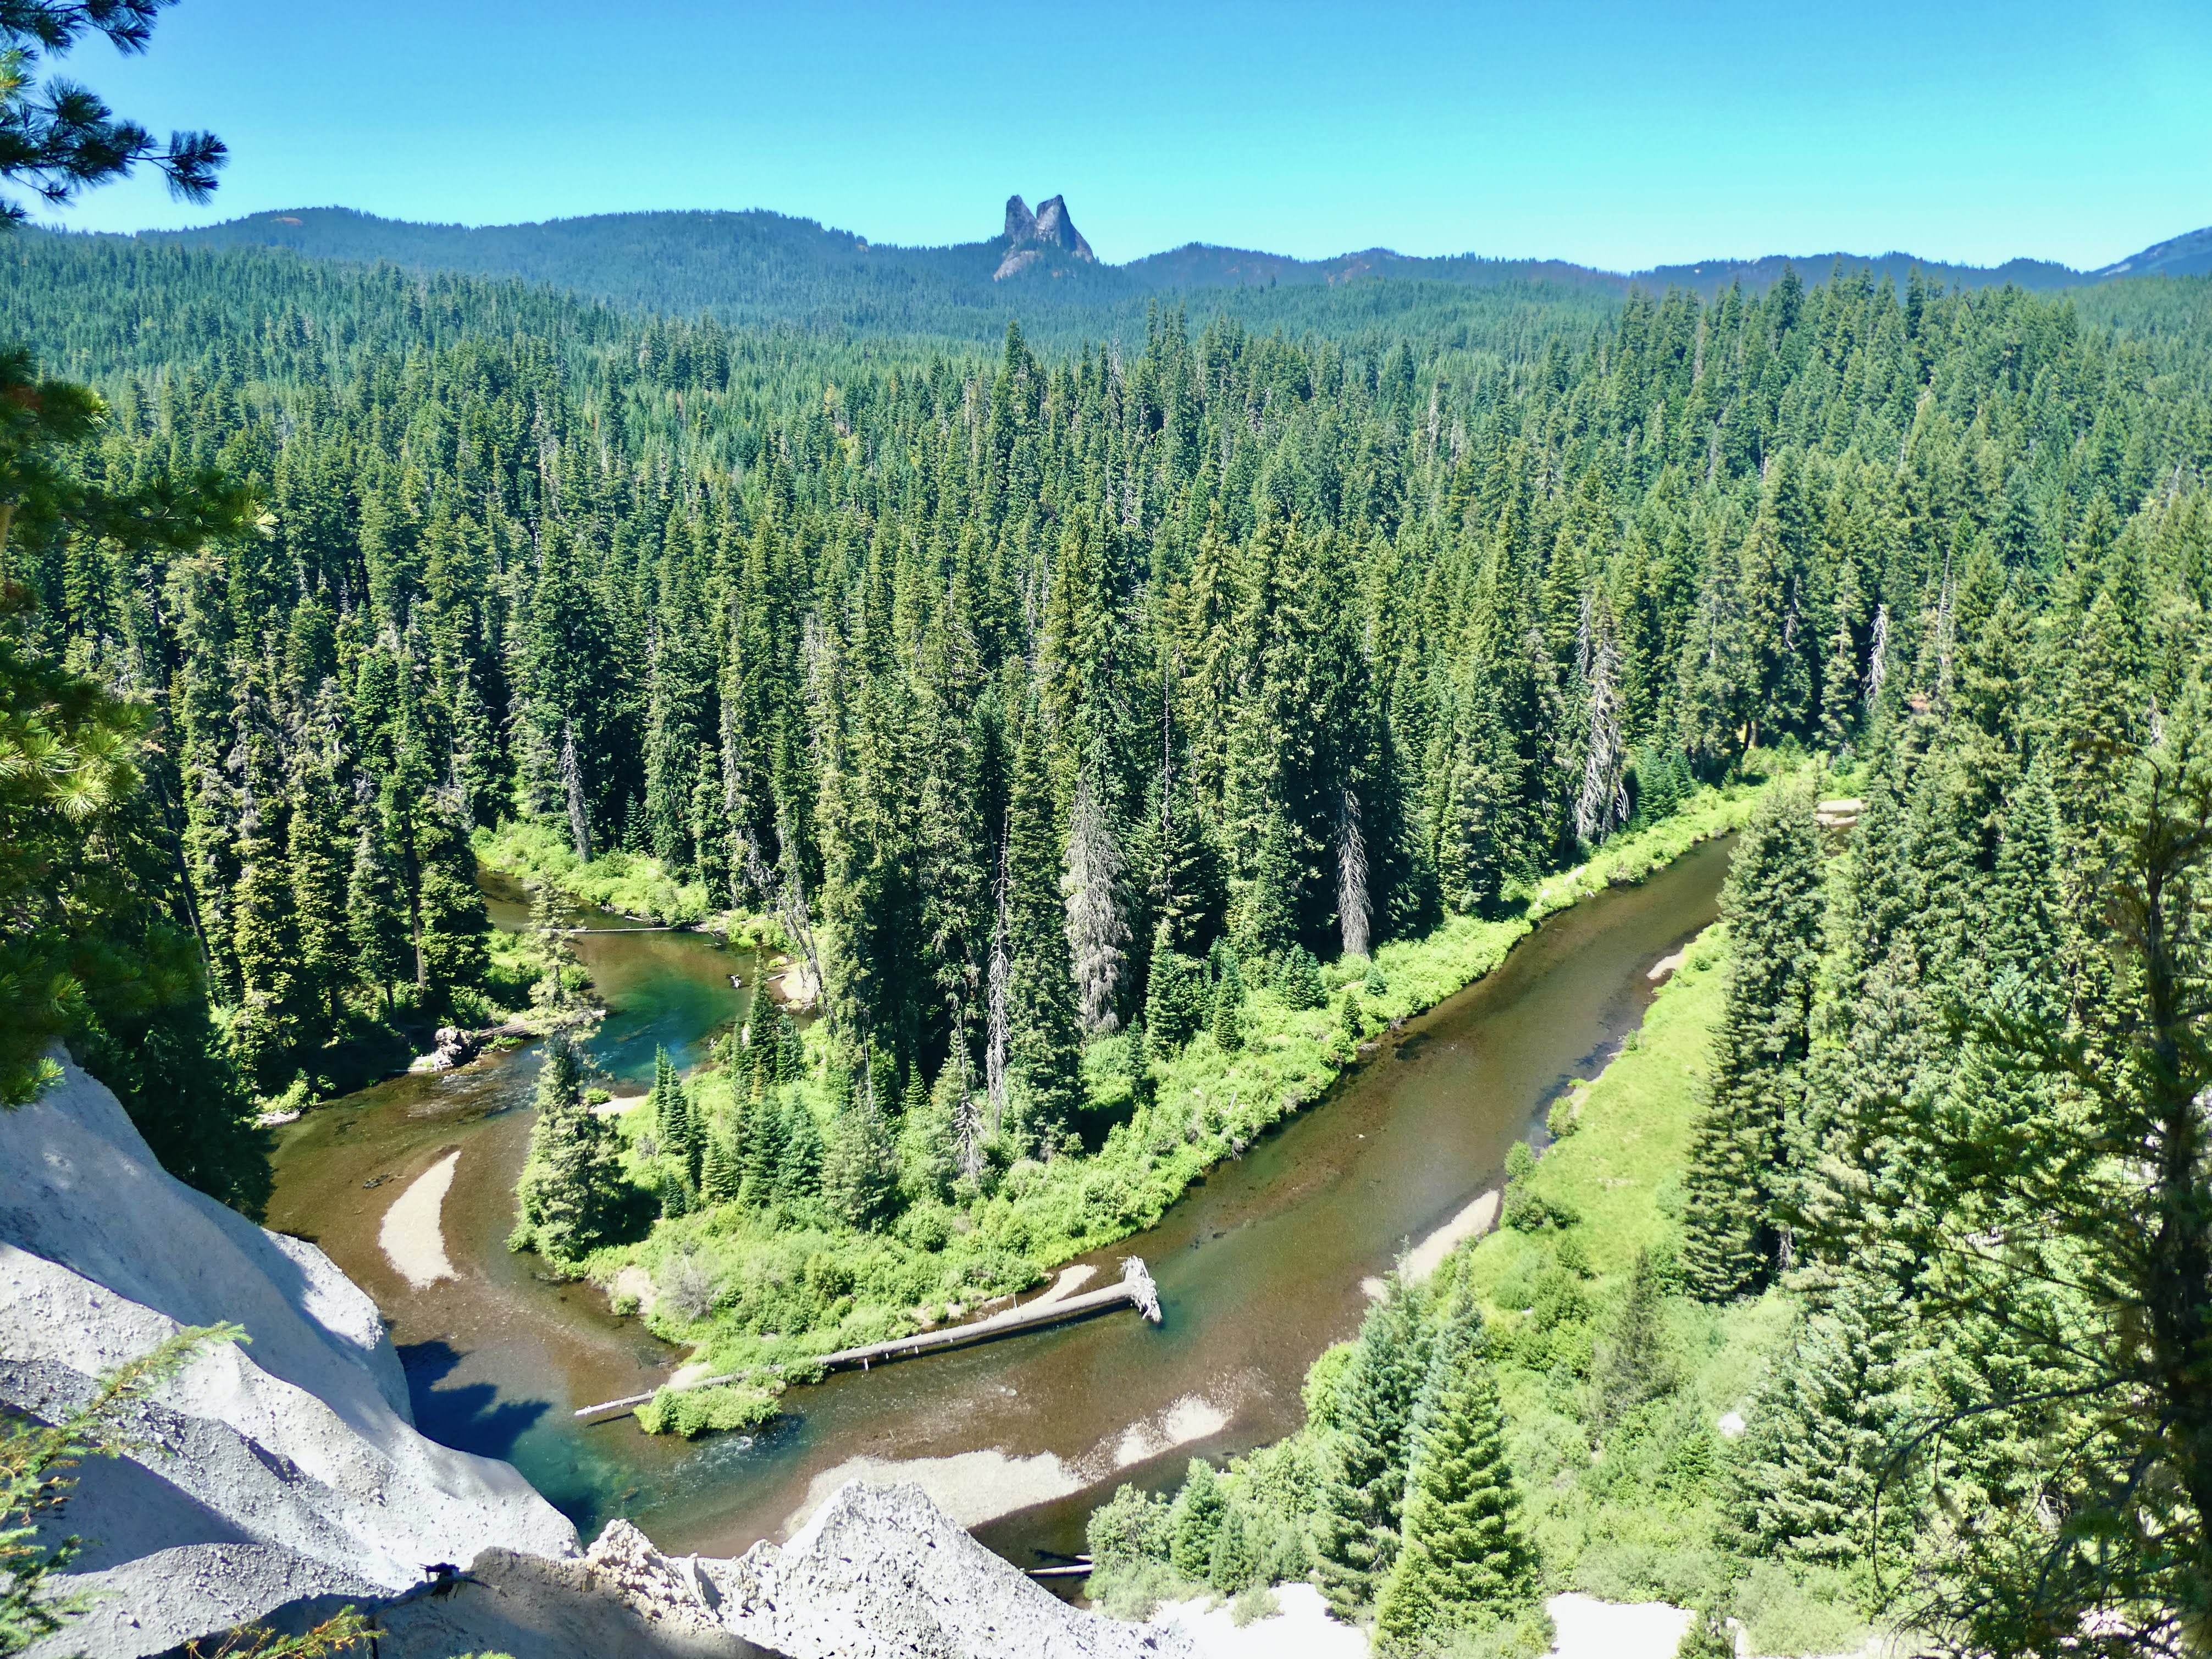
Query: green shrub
point(1323, 1378)
point(1136, 1592)
point(1131, 1527)
point(1253, 1605)
point(694, 1411)
point(1806, 1611)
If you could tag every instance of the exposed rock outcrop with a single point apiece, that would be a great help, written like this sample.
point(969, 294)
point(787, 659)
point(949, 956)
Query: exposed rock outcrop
point(1055, 230)
point(1045, 236)
point(452, 1047)
point(881, 1573)
point(286, 1468)
point(282, 1480)
point(625, 1601)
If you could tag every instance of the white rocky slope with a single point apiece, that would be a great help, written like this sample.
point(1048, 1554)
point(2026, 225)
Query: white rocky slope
point(286, 1468)
point(879, 1573)
point(284, 1479)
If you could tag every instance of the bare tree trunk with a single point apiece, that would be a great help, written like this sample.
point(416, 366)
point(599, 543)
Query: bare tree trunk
point(996, 1032)
point(1601, 805)
point(579, 819)
point(1097, 930)
point(966, 1121)
point(1352, 907)
point(787, 894)
point(1877, 656)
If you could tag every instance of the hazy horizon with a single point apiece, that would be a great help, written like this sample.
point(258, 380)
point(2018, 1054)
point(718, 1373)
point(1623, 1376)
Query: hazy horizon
point(1711, 257)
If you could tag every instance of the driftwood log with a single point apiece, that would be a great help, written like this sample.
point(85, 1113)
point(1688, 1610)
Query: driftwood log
point(1136, 1289)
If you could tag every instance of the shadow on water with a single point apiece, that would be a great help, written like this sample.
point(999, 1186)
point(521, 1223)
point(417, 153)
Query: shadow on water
point(471, 1417)
point(1260, 1266)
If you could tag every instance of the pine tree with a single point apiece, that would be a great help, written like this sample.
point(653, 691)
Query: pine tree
point(1228, 1023)
point(319, 864)
point(1299, 983)
point(1196, 1519)
point(760, 1145)
point(1708, 1637)
point(1633, 1365)
point(1839, 674)
point(266, 945)
point(452, 918)
point(1356, 1533)
point(1172, 995)
point(721, 1176)
point(682, 1136)
point(1235, 1566)
point(1718, 685)
point(1465, 1549)
point(799, 1165)
point(573, 1196)
point(1772, 905)
point(930, 1157)
point(1818, 1470)
point(860, 1168)
point(1045, 1047)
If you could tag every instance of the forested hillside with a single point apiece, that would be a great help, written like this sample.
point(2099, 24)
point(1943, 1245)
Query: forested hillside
point(762, 266)
point(1079, 712)
point(1314, 643)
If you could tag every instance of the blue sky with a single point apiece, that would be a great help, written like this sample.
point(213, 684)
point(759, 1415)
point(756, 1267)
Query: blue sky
point(1621, 133)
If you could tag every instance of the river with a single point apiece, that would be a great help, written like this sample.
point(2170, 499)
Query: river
point(1259, 1267)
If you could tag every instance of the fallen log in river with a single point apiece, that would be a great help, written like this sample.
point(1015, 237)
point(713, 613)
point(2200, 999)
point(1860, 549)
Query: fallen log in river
point(1136, 1289)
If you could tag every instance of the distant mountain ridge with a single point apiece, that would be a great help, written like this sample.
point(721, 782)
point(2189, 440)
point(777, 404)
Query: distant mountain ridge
point(761, 265)
point(2189, 255)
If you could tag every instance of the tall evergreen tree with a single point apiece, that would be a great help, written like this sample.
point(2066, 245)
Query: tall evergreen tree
point(1195, 1521)
point(1357, 1534)
point(1772, 905)
point(1633, 1365)
point(1465, 1552)
point(1821, 1474)
point(1044, 1048)
point(574, 1195)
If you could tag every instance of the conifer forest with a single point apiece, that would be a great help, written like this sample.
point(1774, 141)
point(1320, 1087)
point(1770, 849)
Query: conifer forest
point(1116, 728)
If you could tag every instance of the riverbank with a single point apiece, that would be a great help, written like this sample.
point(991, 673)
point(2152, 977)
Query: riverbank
point(631, 885)
point(1623, 1506)
point(499, 1356)
point(762, 1289)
